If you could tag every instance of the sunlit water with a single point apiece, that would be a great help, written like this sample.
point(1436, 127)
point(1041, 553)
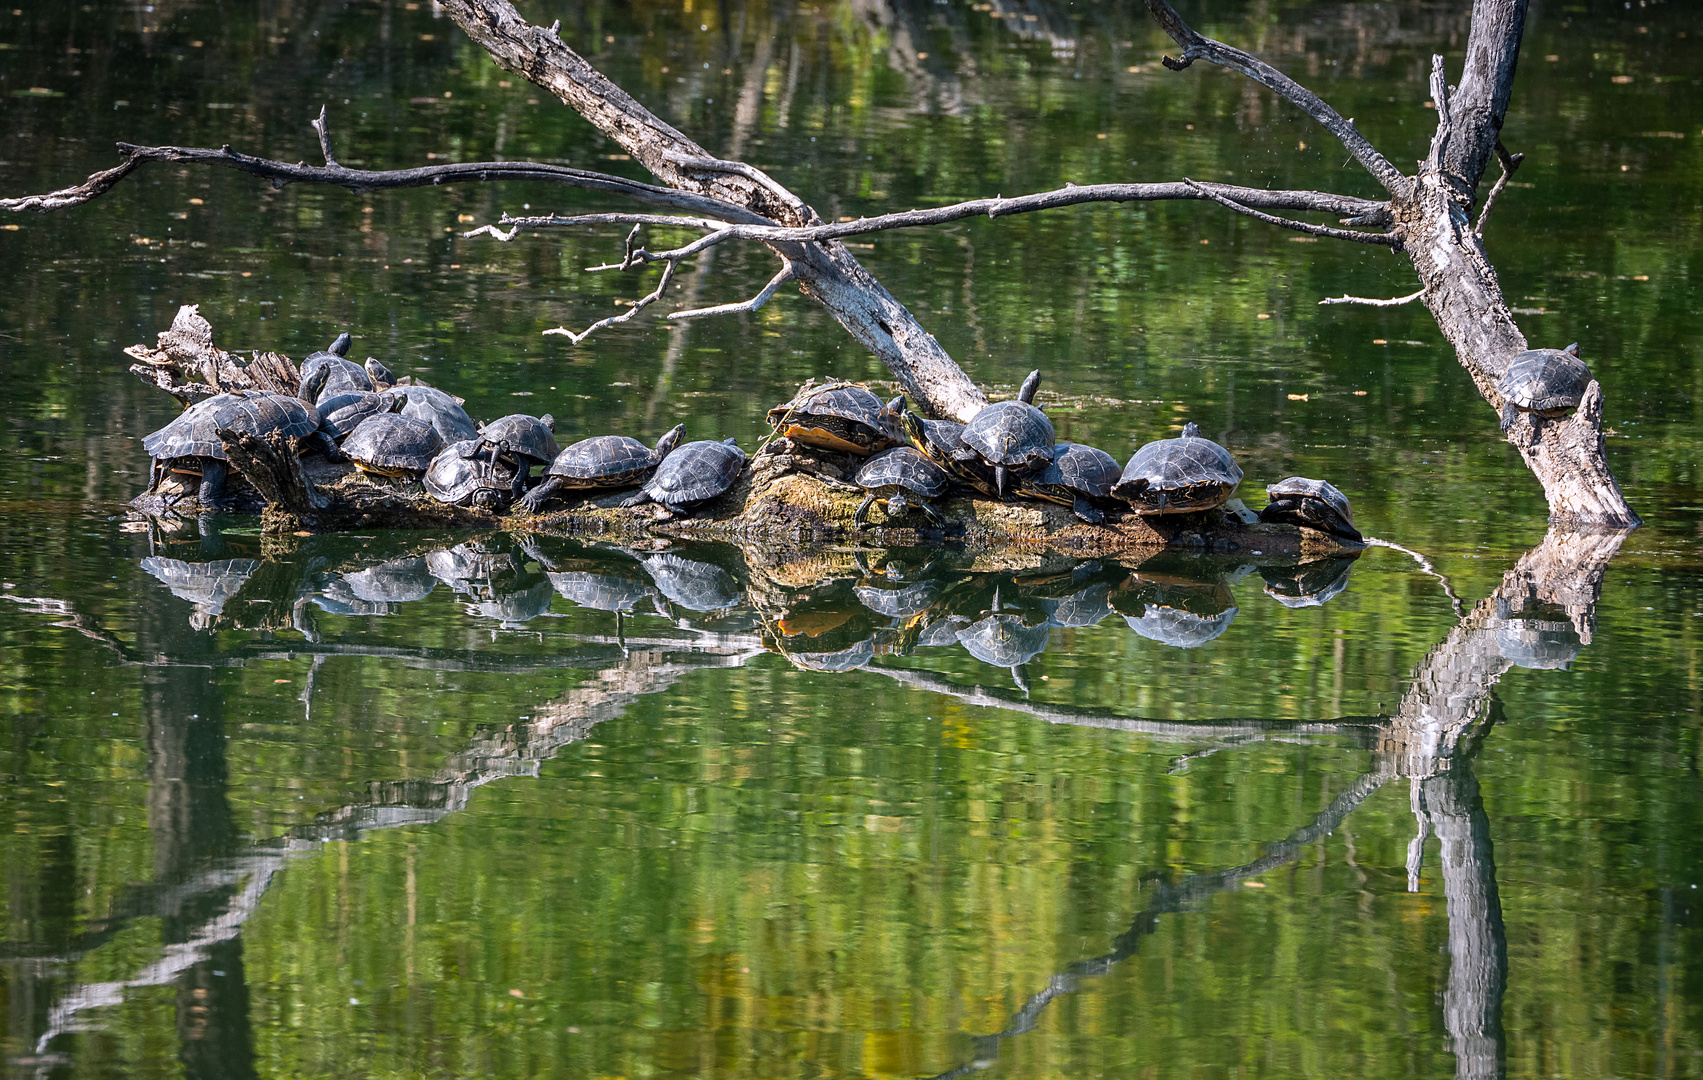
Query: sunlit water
point(404, 804)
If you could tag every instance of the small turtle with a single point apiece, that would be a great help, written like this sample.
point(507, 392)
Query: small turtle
point(839, 416)
point(892, 475)
point(520, 440)
point(378, 373)
point(1009, 437)
point(392, 445)
point(438, 409)
point(1178, 476)
point(343, 413)
point(1545, 382)
point(1077, 477)
point(937, 440)
point(603, 461)
point(1317, 504)
point(693, 474)
point(459, 477)
point(190, 444)
point(328, 372)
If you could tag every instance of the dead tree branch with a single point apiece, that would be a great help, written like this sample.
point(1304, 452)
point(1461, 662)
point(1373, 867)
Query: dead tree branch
point(1509, 163)
point(1397, 301)
point(1386, 239)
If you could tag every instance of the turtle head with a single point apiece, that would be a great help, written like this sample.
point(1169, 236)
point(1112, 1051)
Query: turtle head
point(549, 422)
point(1572, 350)
point(903, 424)
point(340, 347)
point(1027, 393)
point(1191, 430)
point(666, 444)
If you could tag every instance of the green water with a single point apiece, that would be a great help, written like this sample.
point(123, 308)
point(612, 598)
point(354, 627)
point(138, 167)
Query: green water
point(260, 816)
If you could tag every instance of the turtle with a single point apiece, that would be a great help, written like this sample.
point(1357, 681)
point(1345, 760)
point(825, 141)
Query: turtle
point(382, 377)
point(693, 474)
point(392, 445)
point(1077, 477)
point(519, 440)
point(603, 461)
point(1544, 382)
point(329, 372)
point(341, 414)
point(1009, 437)
point(438, 409)
point(894, 474)
point(1316, 504)
point(190, 444)
point(459, 477)
point(937, 440)
point(1178, 476)
point(840, 416)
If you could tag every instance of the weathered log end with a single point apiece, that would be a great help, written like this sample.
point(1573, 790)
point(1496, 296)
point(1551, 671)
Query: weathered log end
point(1569, 456)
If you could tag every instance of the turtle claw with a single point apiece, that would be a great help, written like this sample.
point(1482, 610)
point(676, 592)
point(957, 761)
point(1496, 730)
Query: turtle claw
point(1509, 413)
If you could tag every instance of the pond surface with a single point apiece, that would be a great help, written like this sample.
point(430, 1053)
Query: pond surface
point(410, 804)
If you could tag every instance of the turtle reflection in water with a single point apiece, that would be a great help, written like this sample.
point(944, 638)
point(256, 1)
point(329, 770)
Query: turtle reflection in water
point(207, 585)
point(1310, 584)
point(474, 570)
point(516, 604)
point(398, 581)
point(1543, 639)
point(1184, 613)
point(1007, 641)
point(691, 583)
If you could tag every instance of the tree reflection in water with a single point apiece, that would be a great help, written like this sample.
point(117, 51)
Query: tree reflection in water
point(207, 883)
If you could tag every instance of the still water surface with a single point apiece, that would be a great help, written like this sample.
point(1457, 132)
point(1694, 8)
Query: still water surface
point(406, 804)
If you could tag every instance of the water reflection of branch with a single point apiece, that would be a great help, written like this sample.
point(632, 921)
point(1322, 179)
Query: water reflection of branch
point(1425, 565)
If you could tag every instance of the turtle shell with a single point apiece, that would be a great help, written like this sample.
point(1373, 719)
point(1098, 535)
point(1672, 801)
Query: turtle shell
point(524, 436)
point(904, 467)
point(193, 433)
point(343, 413)
point(939, 441)
point(392, 444)
point(1178, 476)
point(1312, 584)
point(395, 582)
point(611, 461)
point(1014, 434)
point(438, 409)
point(695, 473)
point(601, 591)
point(325, 377)
point(460, 478)
point(844, 417)
point(1546, 381)
point(1076, 474)
point(1317, 504)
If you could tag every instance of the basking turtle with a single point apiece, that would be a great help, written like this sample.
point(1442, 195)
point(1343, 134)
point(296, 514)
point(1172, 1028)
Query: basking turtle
point(1178, 476)
point(328, 372)
point(438, 409)
point(519, 440)
point(693, 474)
point(839, 416)
point(603, 461)
point(459, 477)
point(937, 440)
point(1009, 437)
point(892, 475)
point(341, 414)
point(190, 444)
point(1077, 477)
point(1545, 382)
point(392, 445)
point(381, 376)
point(1317, 504)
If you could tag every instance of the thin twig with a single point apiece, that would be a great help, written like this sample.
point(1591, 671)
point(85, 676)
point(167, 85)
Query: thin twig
point(1372, 302)
point(1509, 163)
point(752, 304)
point(1195, 47)
point(638, 306)
point(1386, 239)
point(323, 129)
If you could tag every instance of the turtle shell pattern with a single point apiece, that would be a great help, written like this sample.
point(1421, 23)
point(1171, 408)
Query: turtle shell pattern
point(438, 409)
point(610, 461)
point(325, 377)
point(1177, 476)
point(458, 477)
point(343, 413)
point(846, 418)
point(521, 435)
point(1317, 504)
point(697, 472)
point(1548, 382)
point(1076, 474)
point(892, 474)
point(393, 444)
point(1013, 434)
point(193, 433)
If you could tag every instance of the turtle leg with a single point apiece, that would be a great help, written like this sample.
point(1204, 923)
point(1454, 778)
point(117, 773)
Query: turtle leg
point(534, 500)
point(861, 518)
point(328, 446)
point(999, 481)
point(1508, 415)
point(212, 493)
point(1087, 511)
point(638, 498)
point(932, 511)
